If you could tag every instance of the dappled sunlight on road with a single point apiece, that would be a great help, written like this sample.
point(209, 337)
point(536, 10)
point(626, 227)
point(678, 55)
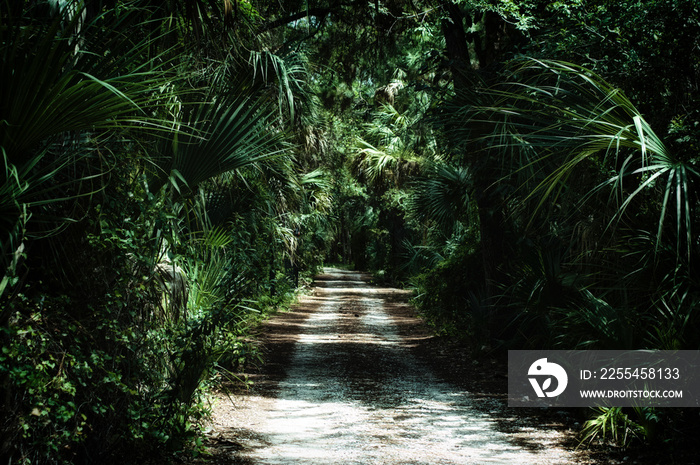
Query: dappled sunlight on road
point(354, 394)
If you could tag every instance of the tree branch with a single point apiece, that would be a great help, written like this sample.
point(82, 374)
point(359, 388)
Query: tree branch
point(318, 12)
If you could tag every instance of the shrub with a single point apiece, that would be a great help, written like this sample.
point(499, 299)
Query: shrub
point(447, 294)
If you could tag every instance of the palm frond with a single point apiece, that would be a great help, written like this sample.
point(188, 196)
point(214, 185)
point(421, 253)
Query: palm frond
point(374, 162)
point(289, 72)
point(225, 135)
point(442, 195)
point(49, 88)
point(318, 185)
point(68, 85)
point(570, 117)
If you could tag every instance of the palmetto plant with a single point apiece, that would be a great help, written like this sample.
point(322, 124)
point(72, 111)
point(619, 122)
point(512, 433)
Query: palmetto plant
point(50, 87)
point(562, 141)
point(611, 424)
point(226, 134)
point(68, 87)
point(215, 291)
point(573, 120)
point(287, 78)
point(442, 195)
point(439, 205)
point(387, 152)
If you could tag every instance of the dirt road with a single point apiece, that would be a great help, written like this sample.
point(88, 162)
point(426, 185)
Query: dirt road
point(344, 387)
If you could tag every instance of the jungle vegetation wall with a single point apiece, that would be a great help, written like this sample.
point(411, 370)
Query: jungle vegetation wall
point(529, 167)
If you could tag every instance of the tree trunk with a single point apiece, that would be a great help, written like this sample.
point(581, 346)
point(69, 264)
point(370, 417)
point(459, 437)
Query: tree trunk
point(489, 203)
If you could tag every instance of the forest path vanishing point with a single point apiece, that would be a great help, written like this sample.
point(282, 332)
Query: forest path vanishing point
point(343, 386)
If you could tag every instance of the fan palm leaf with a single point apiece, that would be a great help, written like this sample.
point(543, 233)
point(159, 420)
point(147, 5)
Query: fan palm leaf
point(66, 83)
point(442, 196)
point(569, 115)
point(226, 135)
point(49, 88)
point(374, 162)
point(51, 91)
point(291, 75)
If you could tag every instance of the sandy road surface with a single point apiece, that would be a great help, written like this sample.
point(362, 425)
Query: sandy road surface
point(348, 390)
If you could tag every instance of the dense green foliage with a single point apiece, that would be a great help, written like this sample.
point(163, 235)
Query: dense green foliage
point(169, 167)
point(150, 201)
point(531, 168)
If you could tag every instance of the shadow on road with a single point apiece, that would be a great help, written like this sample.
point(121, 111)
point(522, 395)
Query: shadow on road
point(349, 380)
